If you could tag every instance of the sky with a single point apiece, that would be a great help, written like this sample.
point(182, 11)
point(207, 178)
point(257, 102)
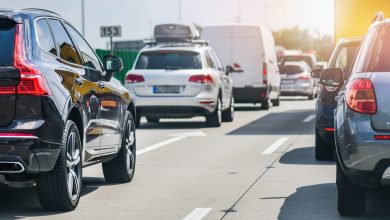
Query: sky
point(137, 17)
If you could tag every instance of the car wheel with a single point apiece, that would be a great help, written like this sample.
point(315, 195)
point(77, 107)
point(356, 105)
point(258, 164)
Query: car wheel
point(323, 150)
point(152, 120)
point(215, 118)
point(59, 189)
point(228, 115)
point(276, 102)
point(265, 105)
point(121, 169)
point(351, 197)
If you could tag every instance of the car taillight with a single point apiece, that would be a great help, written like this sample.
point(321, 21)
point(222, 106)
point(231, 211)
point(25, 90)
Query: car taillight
point(201, 79)
point(134, 78)
point(304, 77)
point(265, 73)
point(32, 82)
point(360, 96)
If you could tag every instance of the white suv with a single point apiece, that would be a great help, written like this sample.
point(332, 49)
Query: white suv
point(181, 78)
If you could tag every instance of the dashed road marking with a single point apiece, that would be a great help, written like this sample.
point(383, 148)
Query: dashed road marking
point(197, 214)
point(309, 118)
point(275, 145)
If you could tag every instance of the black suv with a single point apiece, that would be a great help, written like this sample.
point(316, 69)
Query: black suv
point(60, 109)
point(342, 58)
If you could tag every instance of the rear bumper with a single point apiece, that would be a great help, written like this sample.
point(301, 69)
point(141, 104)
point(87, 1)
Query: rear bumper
point(34, 154)
point(250, 94)
point(172, 111)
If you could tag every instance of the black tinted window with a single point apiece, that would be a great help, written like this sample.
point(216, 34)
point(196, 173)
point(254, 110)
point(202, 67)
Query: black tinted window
point(7, 38)
point(68, 51)
point(169, 60)
point(291, 69)
point(45, 38)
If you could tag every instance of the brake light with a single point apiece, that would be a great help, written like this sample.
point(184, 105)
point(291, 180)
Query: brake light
point(304, 77)
point(14, 134)
point(329, 129)
point(265, 73)
point(382, 137)
point(360, 96)
point(134, 78)
point(32, 82)
point(206, 79)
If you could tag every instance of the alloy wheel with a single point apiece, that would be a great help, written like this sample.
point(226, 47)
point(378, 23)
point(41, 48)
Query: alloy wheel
point(73, 164)
point(130, 150)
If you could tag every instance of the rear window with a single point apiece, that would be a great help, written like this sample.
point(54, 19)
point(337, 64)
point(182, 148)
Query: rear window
point(7, 38)
point(307, 59)
point(291, 69)
point(172, 60)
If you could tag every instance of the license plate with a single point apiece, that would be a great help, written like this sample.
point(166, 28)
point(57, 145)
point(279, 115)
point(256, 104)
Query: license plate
point(166, 89)
point(288, 81)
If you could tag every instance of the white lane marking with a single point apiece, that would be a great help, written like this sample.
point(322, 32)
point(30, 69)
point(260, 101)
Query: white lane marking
point(176, 137)
point(275, 145)
point(197, 214)
point(309, 118)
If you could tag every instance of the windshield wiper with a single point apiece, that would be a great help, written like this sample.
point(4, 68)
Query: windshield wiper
point(172, 68)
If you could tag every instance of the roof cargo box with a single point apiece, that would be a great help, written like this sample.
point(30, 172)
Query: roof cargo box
point(175, 33)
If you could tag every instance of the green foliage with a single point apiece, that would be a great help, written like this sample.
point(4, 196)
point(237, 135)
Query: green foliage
point(128, 58)
point(301, 39)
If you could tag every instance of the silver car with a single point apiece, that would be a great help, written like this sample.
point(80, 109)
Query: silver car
point(181, 81)
point(297, 80)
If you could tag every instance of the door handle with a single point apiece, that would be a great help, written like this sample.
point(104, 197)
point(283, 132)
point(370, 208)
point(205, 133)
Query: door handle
point(101, 85)
point(78, 81)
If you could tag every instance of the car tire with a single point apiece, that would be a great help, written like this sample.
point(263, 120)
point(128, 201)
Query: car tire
point(276, 102)
point(54, 191)
point(265, 105)
point(152, 120)
point(323, 150)
point(215, 118)
point(311, 96)
point(228, 115)
point(121, 169)
point(351, 197)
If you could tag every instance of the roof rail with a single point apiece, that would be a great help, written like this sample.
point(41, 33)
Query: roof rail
point(40, 9)
point(151, 42)
point(379, 17)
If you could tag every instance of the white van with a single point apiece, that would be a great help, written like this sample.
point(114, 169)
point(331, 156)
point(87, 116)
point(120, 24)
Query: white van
point(252, 49)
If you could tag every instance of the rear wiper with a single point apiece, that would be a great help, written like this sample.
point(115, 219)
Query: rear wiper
point(172, 68)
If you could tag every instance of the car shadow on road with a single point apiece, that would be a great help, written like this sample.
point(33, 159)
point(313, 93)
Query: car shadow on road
point(24, 202)
point(320, 202)
point(173, 125)
point(302, 156)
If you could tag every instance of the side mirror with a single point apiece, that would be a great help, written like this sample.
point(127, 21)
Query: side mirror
point(316, 73)
point(230, 69)
point(332, 77)
point(112, 63)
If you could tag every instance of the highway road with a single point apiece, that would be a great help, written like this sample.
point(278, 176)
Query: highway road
point(261, 166)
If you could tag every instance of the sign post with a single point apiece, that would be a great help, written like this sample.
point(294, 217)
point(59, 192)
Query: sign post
point(111, 31)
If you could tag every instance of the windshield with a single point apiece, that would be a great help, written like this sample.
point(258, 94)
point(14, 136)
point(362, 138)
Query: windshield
point(291, 69)
point(172, 60)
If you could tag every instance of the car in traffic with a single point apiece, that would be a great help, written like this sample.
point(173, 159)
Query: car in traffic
point(362, 119)
point(250, 48)
point(297, 80)
point(178, 76)
point(60, 109)
point(342, 57)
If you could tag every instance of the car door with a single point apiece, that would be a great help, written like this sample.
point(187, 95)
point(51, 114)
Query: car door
point(109, 97)
point(227, 82)
point(83, 87)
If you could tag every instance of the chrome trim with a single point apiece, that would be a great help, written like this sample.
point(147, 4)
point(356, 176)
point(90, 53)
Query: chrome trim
point(19, 137)
point(15, 163)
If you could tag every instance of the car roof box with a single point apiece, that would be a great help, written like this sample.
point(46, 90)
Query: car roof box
point(175, 33)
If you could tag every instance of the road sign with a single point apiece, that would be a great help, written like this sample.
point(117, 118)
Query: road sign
point(110, 31)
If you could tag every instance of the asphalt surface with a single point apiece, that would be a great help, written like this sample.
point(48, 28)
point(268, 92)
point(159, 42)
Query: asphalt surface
point(261, 166)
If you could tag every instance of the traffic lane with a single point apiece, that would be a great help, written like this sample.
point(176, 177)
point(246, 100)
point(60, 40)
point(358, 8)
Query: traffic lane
point(299, 187)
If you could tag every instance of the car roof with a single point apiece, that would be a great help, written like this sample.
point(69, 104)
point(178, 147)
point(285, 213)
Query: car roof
point(175, 47)
point(32, 13)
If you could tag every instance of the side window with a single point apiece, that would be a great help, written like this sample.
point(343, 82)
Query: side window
point(217, 60)
point(366, 53)
point(45, 39)
point(209, 63)
point(342, 58)
point(89, 56)
point(213, 61)
point(68, 51)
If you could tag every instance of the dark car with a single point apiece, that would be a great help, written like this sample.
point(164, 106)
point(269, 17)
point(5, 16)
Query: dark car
point(60, 109)
point(362, 120)
point(342, 57)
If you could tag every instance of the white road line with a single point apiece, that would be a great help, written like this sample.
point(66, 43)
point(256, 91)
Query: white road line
point(197, 214)
point(158, 145)
point(275, 145)
point(309, 118)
